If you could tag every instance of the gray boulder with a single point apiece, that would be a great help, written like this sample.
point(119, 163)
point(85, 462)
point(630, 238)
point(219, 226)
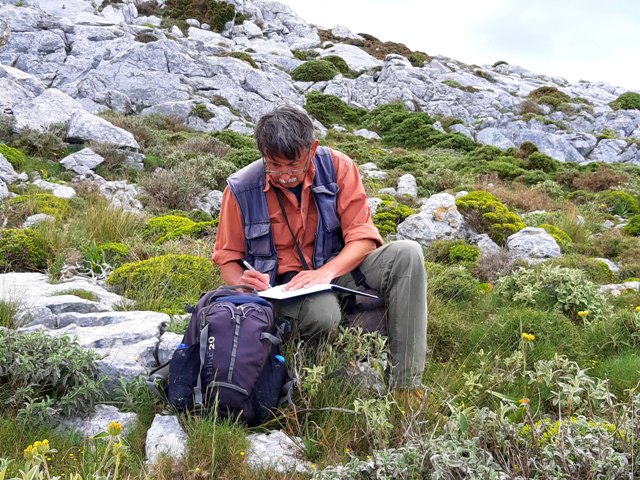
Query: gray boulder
point(371, 170)
point(614, 151)
point(33, 220)
point(533, 244)
point(169, 341)
point(210, 203)
point(611, 265)
point(102, 416)
point(374, 203)
point(165, 437)
point(356, 58)
point(4, 191)
point(57, 190)
point(84, 127)
point(50, 107)
point(438, 219)
point(617, 289)
point(82, 162)
point(277, 451)
point(7, 174)
point(407, 186)
point(368, 134)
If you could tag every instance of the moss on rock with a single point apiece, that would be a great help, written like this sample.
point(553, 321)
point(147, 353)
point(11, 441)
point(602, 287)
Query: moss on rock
point(15, 157)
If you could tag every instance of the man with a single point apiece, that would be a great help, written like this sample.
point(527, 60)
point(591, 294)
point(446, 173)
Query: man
point(300, 215)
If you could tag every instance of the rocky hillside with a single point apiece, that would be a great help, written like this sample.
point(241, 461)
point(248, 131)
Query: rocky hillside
point(63, 62)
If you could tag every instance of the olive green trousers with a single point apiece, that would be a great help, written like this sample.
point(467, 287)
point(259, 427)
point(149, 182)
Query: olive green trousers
point(397, 271)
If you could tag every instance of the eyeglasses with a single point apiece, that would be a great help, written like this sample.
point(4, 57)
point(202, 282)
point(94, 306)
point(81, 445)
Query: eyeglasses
point(272, 171)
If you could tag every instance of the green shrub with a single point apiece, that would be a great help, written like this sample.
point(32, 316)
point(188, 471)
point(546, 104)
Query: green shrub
point(216, 172)
point(627, 101)
point(45, 144)
point(457, 141)
point(114, 253)
point(244, 56)
point(167, 282)
point(383, 118)
point(201, 111)
point(482, 153)
point(26, 205)
point(549, 95)
point(486, 214)
point(338, 62)
point(564, 241)
point(389, 214)
point(504, 167)
point(215, 13)
point(451, 283)
point(633, 227)
point(45, 377)
point(550, 286)
point(235, 139)
point(197, 230)
point(621, 203)
point(8, 313)
point(158, 227)
point(415, 131)
point(540, 161)
point(243, 156)
point(330, 110)
point(22, 250)
point(621, 371)
point(15, 157)
point(314, 71)
point(417, 59)
point(452, 251)
point(595, 270)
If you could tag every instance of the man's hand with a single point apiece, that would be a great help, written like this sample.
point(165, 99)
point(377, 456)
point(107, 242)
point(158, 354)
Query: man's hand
point(257, 280)
point(308, 278)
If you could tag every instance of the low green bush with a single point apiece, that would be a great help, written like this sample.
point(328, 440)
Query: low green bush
point(564, 241)
point(553, 287)
point(633, 227)
point(22, 250)
point(621, 203)
point(457, 141)
point(415, 131)
point(541, 161)
point(452, 251)
point(14, 156)
point(486, 214)
point(338, 62)
point(26, 205)
point(158, 227)
point(114, 253)
point(451, 283)
point(314, 71)
point(595, 270)
point(235, 139)
point(383, 118)
point(243, 156)
point(47, 377)
point(244, 56)
point(165, 283)
point(549, 96)
point(197, 230)
point(389, 214)
point(621, 371)
point(330, 110)
point(626, 101)
point(482, 153)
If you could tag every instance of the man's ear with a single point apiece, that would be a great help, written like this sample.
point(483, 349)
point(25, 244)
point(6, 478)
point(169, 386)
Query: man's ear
point(313, 148)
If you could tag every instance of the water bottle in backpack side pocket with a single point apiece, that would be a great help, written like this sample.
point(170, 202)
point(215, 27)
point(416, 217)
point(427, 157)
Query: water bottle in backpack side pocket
point(183, 372)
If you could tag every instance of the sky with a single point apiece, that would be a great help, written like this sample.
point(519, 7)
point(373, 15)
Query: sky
point(595, 40)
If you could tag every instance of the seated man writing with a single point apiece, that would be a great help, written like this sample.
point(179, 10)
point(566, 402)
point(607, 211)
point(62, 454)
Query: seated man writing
point(300, 215)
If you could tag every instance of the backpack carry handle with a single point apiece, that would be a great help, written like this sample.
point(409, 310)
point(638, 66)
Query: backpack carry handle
point(239, 287)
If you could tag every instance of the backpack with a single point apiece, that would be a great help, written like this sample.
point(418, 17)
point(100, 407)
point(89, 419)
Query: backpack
point(229, 359)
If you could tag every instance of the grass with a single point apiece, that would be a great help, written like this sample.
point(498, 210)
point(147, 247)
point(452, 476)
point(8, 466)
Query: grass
point(8, 311)
point(78, 292)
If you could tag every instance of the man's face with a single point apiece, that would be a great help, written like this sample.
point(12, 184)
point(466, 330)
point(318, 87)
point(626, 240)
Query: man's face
point(289, 173)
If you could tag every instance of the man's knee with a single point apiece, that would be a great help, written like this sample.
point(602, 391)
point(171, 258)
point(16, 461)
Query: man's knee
point(320, 315)
point(407, 253)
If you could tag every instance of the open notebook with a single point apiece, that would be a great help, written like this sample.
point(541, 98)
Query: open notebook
point(277, 293)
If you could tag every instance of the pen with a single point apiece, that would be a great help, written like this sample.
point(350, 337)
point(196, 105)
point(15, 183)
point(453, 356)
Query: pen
point(249, 267)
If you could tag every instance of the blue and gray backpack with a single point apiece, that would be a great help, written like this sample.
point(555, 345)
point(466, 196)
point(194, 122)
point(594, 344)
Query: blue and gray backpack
point(229, 359)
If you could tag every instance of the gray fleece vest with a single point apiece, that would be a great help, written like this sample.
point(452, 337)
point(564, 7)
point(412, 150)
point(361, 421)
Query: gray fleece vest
point(247, 185)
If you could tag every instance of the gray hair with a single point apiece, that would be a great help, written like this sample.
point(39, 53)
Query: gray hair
point(285, 133)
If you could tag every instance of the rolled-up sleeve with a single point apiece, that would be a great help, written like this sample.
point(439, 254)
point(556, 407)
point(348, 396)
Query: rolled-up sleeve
point(229, 244)
point(353, 206)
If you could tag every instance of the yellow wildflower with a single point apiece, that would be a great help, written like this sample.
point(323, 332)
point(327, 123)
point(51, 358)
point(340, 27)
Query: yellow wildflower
point(528, 337)
point(524, 401)
point(347, 450)
point(29, 453)
point(638, 308)
point(242, 454)
point(114, 429)
point(583, 313)
point(313, 466)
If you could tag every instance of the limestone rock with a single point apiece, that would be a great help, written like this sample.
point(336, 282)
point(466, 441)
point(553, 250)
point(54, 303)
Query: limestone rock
point(102, 416)
point(374, 203)
point(210, 203)
point(7, 174)
point(371, 170)
point(407, 186)
point(33, 220)
point(277, 451)
point(438, 219)
point(83, 161)
point(85, 127)
point(611, 265)
point(165, 437)
point(368, 134)
point(532, 243)
point(356, 58)
point(168, 343)
point(57, 190)
point(616, 289)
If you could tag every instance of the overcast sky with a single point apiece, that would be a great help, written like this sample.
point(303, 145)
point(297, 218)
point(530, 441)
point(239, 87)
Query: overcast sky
point(595, 40)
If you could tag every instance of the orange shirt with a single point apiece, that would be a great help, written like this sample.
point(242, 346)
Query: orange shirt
point(352, 206)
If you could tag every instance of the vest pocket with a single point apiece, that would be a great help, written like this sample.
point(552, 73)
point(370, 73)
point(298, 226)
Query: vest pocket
point(326, 199)
point(258, 239)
